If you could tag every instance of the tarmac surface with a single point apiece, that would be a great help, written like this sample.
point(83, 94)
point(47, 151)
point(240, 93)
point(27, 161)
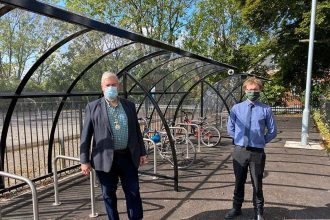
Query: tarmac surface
point(296, 186)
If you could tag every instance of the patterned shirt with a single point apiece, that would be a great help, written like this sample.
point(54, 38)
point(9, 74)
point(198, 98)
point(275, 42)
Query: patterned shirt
point(119, 126)
point(262, 129)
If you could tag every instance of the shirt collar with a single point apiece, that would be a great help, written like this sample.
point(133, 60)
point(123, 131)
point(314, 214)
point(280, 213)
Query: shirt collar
point(248, 102)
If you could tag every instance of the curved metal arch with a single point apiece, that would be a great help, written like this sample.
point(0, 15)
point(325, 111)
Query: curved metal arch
point(70, 17)
point(186, 64)
point(176, 187)
point(141, 60)
point(189, 90)
point(218, 93)
point(23, 84)
point(227, 89)
point(239, 84)
point(71, 87)
point(123, 71)
point(179, 87)
point(5, 9)
point(150, 71)
point(220, 83)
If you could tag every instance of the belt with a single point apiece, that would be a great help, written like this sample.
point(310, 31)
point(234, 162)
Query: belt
point(253, 149)
point(123, 151)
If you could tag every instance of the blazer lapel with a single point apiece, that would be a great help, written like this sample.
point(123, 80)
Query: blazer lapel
point(104, 115)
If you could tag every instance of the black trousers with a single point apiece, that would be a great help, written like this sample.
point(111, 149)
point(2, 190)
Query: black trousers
point(123, 169)
point(253, 159)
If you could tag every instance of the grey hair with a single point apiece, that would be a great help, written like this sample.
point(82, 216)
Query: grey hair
point(107, 75)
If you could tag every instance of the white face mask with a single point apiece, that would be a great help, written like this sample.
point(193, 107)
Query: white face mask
point(111, 93)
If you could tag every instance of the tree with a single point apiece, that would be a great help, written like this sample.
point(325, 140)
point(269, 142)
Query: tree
point(216, 30)
point(17, 43)
point(157, 19)
point(287, 23)
point(24, 38)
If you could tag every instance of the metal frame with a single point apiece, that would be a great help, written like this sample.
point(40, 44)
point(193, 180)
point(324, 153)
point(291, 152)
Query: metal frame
point(167, 129)
point(71, 87)
point(5, 9)
point(66, 16)
point(189, 90)
point(90, 24)
point(176, 92)
point(33, 192)
point(149, 72)
point(162, 79)
point(92, 184)
point(23, 84)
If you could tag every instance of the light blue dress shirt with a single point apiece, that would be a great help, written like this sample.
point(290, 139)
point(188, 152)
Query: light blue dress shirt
point(262, 129)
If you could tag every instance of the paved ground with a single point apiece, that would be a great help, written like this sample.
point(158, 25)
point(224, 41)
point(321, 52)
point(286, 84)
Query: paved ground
point(296, 186)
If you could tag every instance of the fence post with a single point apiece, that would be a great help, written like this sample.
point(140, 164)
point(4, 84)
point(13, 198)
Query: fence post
point(62, 151)
point(80, 118)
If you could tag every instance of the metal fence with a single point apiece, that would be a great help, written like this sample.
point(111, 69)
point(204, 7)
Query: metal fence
point(325, 109)
point(28, 137)
point(287, 110)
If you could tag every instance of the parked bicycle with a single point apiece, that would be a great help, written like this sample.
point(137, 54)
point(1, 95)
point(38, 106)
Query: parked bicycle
point(209, 135)
point(185, 150)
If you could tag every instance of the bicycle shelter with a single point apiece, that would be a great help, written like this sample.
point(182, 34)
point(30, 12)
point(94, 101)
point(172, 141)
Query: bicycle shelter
point(42, 115)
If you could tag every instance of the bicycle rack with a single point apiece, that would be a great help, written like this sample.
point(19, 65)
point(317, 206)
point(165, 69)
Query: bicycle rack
point(92, 182)
point(198, 133)
point(33, 191)
point(155, 155)
point(155, 148)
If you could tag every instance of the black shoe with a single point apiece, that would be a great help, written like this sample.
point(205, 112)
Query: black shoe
point(233, 213)
point(259, 217)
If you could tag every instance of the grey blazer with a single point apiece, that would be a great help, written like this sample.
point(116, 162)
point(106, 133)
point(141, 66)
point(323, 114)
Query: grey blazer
point(97, 126)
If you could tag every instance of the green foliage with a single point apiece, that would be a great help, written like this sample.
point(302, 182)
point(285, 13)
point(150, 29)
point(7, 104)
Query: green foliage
point(159, 19)
point(286, 23)
point(243, 33)
point(323, 128)
point(216, 30)
point(274, 92)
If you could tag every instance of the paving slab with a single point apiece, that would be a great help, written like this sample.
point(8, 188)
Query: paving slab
point(296, 186)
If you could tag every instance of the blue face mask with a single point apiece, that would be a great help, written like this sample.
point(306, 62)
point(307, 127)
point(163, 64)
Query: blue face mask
point(110, 93)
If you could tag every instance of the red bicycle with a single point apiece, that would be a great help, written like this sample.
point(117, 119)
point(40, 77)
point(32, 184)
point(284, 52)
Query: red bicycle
point(209, 135)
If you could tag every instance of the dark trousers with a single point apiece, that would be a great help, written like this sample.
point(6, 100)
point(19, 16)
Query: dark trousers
point(254, 160)
point(124, 169)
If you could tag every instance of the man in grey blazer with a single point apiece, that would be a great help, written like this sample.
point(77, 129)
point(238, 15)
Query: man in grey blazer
point(117, 147)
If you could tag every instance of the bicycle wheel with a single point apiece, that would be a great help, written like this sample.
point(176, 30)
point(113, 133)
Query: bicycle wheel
point(210, 136)
point(185, 153)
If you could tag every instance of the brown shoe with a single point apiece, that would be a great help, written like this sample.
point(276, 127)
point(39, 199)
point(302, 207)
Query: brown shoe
point(233, 213)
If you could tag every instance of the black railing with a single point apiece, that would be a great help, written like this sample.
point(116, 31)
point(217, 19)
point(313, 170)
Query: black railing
point(28, 136)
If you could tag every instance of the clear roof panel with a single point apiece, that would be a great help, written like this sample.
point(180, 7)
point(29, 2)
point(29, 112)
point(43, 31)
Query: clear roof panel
point(124, 54)
point(154, 76)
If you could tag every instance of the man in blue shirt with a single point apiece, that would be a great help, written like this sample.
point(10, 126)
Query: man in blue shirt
point(251, 125)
